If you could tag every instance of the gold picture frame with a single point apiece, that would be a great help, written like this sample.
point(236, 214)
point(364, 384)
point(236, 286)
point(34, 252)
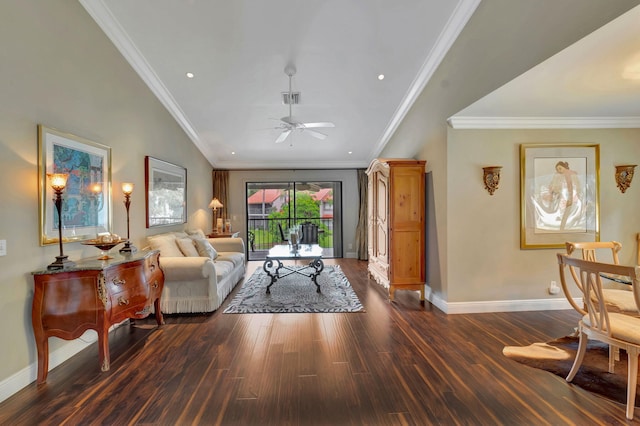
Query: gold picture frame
point(86, 200)
point(559, 194)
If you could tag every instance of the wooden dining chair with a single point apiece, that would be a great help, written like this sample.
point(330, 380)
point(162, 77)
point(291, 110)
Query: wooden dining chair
point(618, 297)
point(597, 323)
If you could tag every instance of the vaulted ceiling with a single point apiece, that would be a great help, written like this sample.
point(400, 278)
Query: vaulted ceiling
point(238, 50)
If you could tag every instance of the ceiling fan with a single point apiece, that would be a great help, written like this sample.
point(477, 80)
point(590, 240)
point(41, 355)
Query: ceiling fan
point(289, 123)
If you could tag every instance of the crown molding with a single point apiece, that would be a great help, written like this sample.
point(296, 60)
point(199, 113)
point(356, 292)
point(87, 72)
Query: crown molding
point(544, 122)
point(297, 165)
point(449, 34)
point(101, 14)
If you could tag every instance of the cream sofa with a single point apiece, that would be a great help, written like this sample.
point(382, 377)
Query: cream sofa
point(199, 272)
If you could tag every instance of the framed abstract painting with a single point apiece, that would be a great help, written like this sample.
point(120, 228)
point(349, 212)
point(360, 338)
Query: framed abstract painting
point(86, 201)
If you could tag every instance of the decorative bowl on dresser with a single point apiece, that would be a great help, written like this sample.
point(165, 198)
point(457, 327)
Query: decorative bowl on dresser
point(93, 295)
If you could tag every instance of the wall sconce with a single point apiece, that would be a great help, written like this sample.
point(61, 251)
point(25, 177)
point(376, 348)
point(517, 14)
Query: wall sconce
point(127, 189)
point(58, 181)
point(491, 178)
point(215, 204)
point(624, 175)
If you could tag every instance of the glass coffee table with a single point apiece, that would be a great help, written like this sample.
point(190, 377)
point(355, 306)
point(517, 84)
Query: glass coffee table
point(276, 270)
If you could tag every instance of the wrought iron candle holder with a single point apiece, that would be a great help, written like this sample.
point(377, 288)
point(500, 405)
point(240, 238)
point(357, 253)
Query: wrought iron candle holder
point(58, 182)
point(624, 175)
point(491, 178)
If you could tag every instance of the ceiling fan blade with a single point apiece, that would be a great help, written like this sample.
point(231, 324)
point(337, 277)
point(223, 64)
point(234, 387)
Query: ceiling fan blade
point(283, 136)
point(315, 134)
point(319, 124)
point(289, 120)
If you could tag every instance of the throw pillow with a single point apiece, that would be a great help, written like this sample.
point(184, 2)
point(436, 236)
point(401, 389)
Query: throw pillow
point(166, 243)
point(205, 249)
point(187, 247)
point(196, 233)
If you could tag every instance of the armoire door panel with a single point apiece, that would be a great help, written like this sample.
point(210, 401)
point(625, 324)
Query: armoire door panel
point(406, 260)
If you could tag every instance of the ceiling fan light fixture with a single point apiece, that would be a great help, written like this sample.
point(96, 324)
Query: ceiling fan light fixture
point(289, 124)
point(292, 98)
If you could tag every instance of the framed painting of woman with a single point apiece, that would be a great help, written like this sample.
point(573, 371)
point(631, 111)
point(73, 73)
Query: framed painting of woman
point(559, 194)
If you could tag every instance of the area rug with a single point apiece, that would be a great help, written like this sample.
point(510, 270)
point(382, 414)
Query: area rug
point(296, 294)
point(557, 357)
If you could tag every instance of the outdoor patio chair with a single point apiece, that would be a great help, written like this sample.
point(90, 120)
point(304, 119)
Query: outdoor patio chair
point(309, 233)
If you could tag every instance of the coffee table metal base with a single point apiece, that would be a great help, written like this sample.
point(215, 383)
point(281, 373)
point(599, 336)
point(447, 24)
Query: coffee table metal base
point(311, 271)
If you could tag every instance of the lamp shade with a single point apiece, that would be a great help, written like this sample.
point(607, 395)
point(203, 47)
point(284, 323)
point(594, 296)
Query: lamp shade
point(96, 188)
point(215, 204)
point(58, 180)
point(127, 188)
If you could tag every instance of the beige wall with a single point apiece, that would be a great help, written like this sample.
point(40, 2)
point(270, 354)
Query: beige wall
point(59, 69)
point(485, 262)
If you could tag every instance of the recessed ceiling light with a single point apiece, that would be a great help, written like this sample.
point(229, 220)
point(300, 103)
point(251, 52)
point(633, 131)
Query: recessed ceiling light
point(233, 153)
point(381, 77)
point(190, 75)
point(350, 152)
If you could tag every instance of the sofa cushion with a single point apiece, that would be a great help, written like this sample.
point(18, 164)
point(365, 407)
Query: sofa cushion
point(223, 269)
point(196, 233)
point(233, 257)
point(205, 249)
point(166, 243)
point(187, 247)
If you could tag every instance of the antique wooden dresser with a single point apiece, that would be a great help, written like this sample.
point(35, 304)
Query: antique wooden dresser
point(94, 294)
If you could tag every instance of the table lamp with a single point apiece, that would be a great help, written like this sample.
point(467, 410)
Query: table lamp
point(58, 182)
point(127, 189)
point(215, 204)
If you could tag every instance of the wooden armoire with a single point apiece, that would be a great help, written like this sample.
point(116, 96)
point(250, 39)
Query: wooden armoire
point(396, 224)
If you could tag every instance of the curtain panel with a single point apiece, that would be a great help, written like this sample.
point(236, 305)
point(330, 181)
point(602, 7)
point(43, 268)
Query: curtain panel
point(220, 179)
point(361, 229)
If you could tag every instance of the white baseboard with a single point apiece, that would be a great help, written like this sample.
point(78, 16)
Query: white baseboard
point(486, 306)
point(27, 375)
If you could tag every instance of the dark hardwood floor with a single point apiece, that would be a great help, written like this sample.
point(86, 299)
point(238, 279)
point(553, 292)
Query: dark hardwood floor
point(397, 364)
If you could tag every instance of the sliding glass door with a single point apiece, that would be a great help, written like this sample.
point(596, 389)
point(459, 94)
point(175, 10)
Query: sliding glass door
point(275, 207)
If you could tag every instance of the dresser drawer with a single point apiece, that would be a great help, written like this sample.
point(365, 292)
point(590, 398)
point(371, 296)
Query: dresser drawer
point(126, 288)
point(126, 301)
point(122, 277)
point(155, 276)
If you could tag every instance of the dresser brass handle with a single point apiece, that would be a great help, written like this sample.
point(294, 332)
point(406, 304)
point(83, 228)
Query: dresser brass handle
point(152, 267)
point(122, 301)
point(118, 281)
point(155, 284)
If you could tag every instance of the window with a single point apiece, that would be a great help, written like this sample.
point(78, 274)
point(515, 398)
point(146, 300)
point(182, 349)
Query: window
point(276, 206)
